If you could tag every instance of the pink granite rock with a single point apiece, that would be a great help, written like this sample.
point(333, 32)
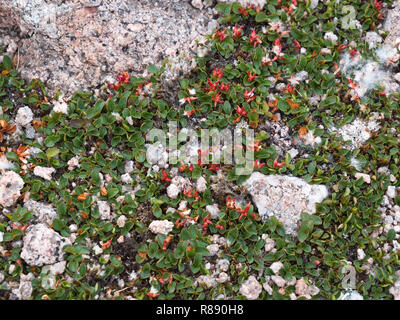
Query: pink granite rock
point(78, 44)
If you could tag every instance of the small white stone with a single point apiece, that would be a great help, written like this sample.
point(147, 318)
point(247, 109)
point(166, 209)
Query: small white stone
point(293, 153)
point(313, 4)
point(129, 167)
point(73, 162)
point(364, 176)
point(197, 4)
point(201, 184)
point(44, 172)
point(350, 295)
point(391, 191)
point(213, 249)
point(97, 250)
point(251, 288)
point(276, 266)
point(173, 191)
point(121, 221)
point(24, 116)
point(161, 226)
point(360, 254)
point(60, 106)
point(126, 178)
point(331, 36)
point(104, 210)
point(10, 186)
point(279, 281)
point(213, 210)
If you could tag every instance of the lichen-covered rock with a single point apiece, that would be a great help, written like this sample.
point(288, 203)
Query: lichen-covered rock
point(42, 245)
point(161, 226)
point(42, 212)
point(284, 197)
point(358, 132)
point(251, 288)
point(392, 24)
point(10, 188)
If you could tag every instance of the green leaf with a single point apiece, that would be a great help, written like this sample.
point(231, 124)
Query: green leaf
point(391, 235)
point(261, 17)
point(7, 62)
point(153, 69)
point(52, 152)
point(96, 110)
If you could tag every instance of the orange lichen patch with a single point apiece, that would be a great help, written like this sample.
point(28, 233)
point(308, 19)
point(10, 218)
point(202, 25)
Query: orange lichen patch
point(274, 105)
point(21, 152)
point(83, 196)
point(143, 254)
point(302, 131)
point(37, 124)
point(292, 104)
point(6, 128)
point(278, 76)
point(103, 191)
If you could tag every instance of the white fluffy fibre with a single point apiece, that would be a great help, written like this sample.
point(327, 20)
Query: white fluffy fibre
point(369, 74)
point(5, 164)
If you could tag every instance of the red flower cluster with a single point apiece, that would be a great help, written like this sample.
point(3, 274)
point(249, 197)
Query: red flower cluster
point(206, 222)
point(217, 73)
point(124, 78)
point(189, 193)
point(166, 242)
point(217, 99)
point(255, 38)
point(342, 47)
point(243, 11)
point(237, 32)
point(249, 95)
point(241, 112)
point(106, 245)
point(189, 113)
point(165, 176)
point(258, 165)
point(378, 5)
point(252, 76)
point(220, 35)
point(184, 167)
point(278, 164)
point(298, 46)
point(214, 167)
point(289, 89)
point(230, 202)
